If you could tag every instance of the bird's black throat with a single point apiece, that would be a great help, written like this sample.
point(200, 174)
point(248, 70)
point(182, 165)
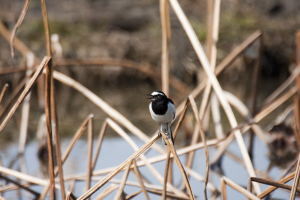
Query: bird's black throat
point(160, 106)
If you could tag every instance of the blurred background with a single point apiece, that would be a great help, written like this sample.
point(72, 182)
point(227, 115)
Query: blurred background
point(131, 30)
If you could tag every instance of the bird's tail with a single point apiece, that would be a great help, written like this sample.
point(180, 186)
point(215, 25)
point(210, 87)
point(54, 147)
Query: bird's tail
point(166, 128)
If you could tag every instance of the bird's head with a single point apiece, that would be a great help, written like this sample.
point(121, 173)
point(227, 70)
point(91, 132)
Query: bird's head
point(156, 95)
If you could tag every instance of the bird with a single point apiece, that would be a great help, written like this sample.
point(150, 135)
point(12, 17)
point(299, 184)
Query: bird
point(162, 111)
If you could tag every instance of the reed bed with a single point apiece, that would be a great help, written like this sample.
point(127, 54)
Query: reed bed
point(42, 73)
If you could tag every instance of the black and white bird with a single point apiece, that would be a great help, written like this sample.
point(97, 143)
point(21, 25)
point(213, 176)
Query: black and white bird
point(162, 111)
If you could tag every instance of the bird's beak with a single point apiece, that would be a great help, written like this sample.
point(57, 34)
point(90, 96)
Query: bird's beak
point(150, 97)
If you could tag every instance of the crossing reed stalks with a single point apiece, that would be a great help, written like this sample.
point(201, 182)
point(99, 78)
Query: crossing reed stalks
point(212, 97)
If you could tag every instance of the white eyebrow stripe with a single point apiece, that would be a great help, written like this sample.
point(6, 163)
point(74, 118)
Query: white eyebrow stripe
point(156, 93)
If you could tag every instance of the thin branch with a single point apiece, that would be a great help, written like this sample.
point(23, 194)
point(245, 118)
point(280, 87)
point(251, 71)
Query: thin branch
point(2, 93)
point(18, 24)
point(121, 187)
point(139, 177)
point(117, 169)
point(184, 176)
point(25, 91)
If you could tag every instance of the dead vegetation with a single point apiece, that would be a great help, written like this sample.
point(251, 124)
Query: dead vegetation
point(42, 73)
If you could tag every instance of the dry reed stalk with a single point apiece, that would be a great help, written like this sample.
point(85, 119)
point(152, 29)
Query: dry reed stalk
point(26, 106)
point(148, 186)
point(7, 188)
point(140, 180)
point(222, 65)
point(237, 51)
point(183, 151)
point(182, 171)
point(282, 87)
point(200, 178)
point(297, 95)
point(107, 191)
point(239, 188)
point(125, 136)
point(194, 108)
point(49, 131)
point(123, 182)
point(212, 54)
point(131, 183)
point(165, 29)
point(117, 169)
point(243, 110)
point(75, 138)
point(17, 43)
point(36, 194)
point(2, 93)
point(166, 174)
point(272, 188)
point(150, 160)
point(25, 91)
point(12, 97)
point(273, 183)
point(105, 107)
point(296, 181)
point(10, 70)
point(289, 168)
point(70, 196)
point(57, 140)
point(72, 185)
point(254, 93)
point(169, 152)
point(133, 195)
point(266, 111)
point(49, 109)
point(298, 47)
point(98, 146)
point(296, 126)
point(168, 195)
point(58, 155)
point(209, 26)
point(18, 24)
point(216, 116)
point(190, 156)
point(223, 189)
point(296, 121)
point(20, 46)
point(217, 88)
point(146, 69)
point(235, 158)
point(90, 136)
point(25, 177)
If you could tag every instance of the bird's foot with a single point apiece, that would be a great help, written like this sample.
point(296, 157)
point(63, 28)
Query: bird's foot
point(165, 133)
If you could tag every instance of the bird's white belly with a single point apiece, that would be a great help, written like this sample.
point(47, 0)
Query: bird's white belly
point(166, 118)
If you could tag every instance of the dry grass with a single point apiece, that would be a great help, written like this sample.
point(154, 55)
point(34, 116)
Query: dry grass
point(213, 96)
